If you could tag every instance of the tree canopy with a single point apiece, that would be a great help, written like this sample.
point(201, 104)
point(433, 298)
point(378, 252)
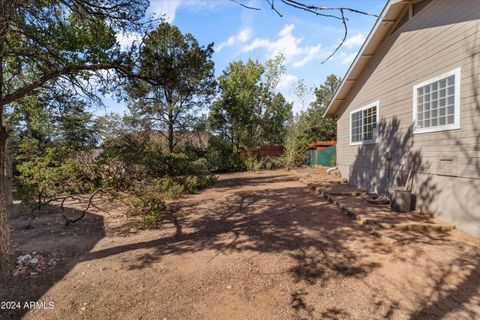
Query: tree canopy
point(249, 112)
point(321, 128)
point(51, 46)
point(187, 70)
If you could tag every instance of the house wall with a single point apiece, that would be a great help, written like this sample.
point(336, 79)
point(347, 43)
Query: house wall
point(442, 37)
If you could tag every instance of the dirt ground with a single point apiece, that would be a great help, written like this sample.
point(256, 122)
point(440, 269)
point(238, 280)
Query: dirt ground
point(255, 246)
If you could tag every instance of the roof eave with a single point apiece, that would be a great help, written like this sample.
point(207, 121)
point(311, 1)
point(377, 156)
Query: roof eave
point(364, 55)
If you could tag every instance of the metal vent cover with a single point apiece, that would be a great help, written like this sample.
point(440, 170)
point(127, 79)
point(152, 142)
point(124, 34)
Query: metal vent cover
point(447, 166)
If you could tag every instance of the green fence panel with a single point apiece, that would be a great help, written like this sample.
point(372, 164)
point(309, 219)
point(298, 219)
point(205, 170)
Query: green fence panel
point(326, 157)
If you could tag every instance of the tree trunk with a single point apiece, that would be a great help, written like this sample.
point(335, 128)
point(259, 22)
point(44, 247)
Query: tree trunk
point(8, 176)
point(6, 256)
point(7, 9)
point(171, 132)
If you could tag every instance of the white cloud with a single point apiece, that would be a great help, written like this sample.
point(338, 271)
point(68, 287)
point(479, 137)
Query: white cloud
point(287, 44)
point(242, 37)
point(164, 7)
point(126, 40)
point(311, 54)
point(245, 35)
point(169, 8)
point(355, 41)
point(286, 80)
point(347, 58)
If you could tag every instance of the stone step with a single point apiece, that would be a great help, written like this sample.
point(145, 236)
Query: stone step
point(381, 235)
point(324, 191)
point(375, 226)
point(416, 226)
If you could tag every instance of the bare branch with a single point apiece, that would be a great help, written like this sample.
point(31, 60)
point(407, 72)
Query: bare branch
point(245, 6)
point(84, 211)
point(310, 9)
point(345, 34)
point(321, 8)
point(320, 11)
point(272, 6)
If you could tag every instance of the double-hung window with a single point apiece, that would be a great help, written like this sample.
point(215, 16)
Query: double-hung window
point(364, 124)
point(436, 103)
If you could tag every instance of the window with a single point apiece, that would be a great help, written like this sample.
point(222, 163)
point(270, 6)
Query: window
point(363, 124)
point(436, 103)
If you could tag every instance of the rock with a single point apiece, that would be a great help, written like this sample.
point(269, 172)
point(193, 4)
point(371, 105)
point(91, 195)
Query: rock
point(33, 260)
point(52, 262)
point(133, 230)
point(22, 259)
point(229, 287)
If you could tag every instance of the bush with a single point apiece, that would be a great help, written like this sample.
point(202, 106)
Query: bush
point(52, 174)
point(270, 163)
point(173, 187)
point(295, 144)
point(333, 162)
point(221, 156)
point(252, 164)
point(147, 201)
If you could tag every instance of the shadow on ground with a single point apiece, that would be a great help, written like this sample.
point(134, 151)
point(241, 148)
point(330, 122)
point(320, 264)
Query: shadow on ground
point(46, 233)
point(272, 214)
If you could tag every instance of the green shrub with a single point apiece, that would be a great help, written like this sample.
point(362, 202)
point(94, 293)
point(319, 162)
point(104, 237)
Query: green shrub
point(270, 163)
point(252, 164)
point(333, 162)
point(170, 187)
point(193, 184)
point(221, 156)
point(52, 174)
point(148, 202)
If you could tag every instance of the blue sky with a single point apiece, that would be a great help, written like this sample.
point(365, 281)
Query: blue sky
point(240, 34)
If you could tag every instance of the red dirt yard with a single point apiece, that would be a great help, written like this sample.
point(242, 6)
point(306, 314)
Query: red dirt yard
point(255, 246)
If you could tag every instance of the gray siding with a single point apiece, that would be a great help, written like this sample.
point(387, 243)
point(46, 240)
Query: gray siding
point(442, 37)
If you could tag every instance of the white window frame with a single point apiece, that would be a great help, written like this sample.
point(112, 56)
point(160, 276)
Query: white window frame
point(456, 124)
point(368, 106)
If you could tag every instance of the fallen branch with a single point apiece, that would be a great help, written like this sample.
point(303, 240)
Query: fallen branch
point(84, 211)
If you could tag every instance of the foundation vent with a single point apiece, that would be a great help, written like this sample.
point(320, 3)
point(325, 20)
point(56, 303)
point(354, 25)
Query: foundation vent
point(447, 166)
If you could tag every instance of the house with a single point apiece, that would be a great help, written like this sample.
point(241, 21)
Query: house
point(410, 102)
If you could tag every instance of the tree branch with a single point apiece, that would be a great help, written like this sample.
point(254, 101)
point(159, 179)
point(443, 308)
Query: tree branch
point(69, 71)
point(245, 6)
point(84, 211)
point(345, 34)
point(319, 11)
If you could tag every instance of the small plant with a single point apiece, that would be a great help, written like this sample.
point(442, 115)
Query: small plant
point(333, 162)
point(147, 202)
point(270, 163)
point(252, 164)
